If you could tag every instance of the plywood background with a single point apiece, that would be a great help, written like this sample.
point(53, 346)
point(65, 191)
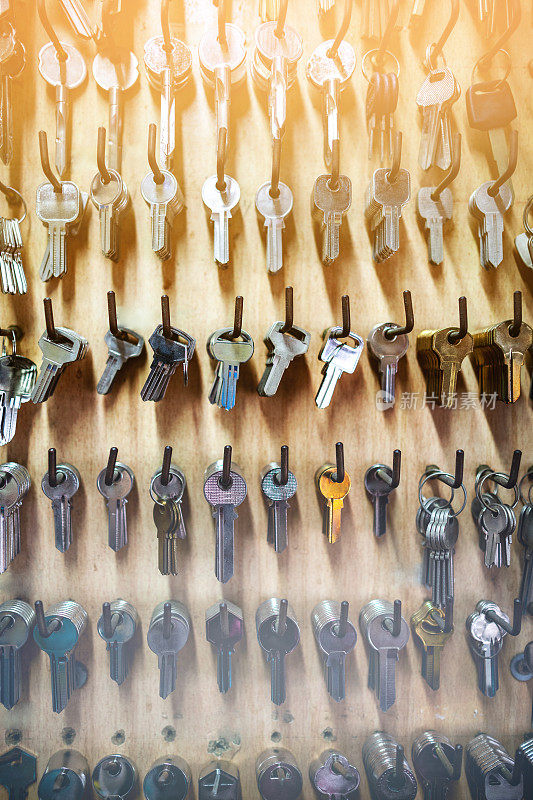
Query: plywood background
point(83, 426)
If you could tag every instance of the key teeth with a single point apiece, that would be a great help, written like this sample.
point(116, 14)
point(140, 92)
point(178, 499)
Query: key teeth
point(277, 680)
point(10, 676)
point(118, 665)
point(167, 675)
point(224, 671)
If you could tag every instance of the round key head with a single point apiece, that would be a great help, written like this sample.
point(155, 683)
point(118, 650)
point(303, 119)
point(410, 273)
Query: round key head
point(271, 486)
point(120, 73)
point(66, 622)
point(269, 636)
point(375, 485)
point(278, 775)
point(213, 55)
point(380, 636)
point(381, 347)
point(218, 201)
point(325, 618)
point(173, 490)
point(156, 59)
point(332, 775)
point(121, 484)
point(10, 492)
point(274, 207)
point(66, 776)
point(16, 622)
point(169, 778)
point(107, 193)
point(216, 493)
point(321, 68)
point(180, 623)
point(328, 486)
point(160, 193)
point(269, 45)
point(123, 625)
point(68, 482)
point(70, 73)
point(115, 776)
point(8, 41)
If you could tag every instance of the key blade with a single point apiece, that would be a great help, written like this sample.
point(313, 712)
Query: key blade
point(113, 364)
point(334, 508)
point(380, 503)
point(224, 669)
point(168, 668)
point(336, 675)
point(10, 676)
point(431, 667)
point(62, 130)
point(274, 241)
point(220, 220)
point(117, 524)
point(225, 516)
point(118, 665)
point(277, 678)
point(386, 678)
point(61, 510)
point(277, 525)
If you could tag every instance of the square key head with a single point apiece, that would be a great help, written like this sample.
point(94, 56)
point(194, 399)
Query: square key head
point(63, 206)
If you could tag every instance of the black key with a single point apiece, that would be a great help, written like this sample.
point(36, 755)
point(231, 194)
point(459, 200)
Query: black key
point(18, 770)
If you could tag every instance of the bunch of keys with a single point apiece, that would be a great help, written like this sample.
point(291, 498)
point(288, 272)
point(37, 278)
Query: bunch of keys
point(524, 241)
point(17, 620)
point(167, 490)
point(109, 195)
point(12, 277)
point(14, 485)
point(434, 99)
point(171, 347)
point(229, 348)
point(382, 93)
point(17, 379)
point(115, 483)
point(388, 192)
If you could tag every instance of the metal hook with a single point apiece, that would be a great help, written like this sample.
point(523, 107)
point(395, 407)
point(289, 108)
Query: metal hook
point(12, 196)
point(284, 466)
point(289, 310)
point(105, 177)
point(391, 24)
point(392, 331)
point(345, 24)
point(51, 332)
point(222, 39)
point(496, 185)
point(224, 619)
point(396, 158)
point(436, 50)
point(45, 22)
point(454, 337)
point(110, 621)
point(514, 329)
point(167, 620)
point(457, 480)
point(165, 467)
point(276, 168)
point(225, 480)
point(335, 164)
point(52, 467)
point(222, 143)
point(237, 319)
point(346, 317)
point(45, 163)
point(446, 624)
point(279, 30)
point(392, 480)
point(340, 629)
point(44, 630)
point(339, 474)
point(112, 314)
point(452, 172)
point(159, 178)
point(510, 482)
point(110, 468)
point(281, 623)
point(165, 27)
point(514, 22)
point(165, 317)
point(397, 777)
point(516, 627)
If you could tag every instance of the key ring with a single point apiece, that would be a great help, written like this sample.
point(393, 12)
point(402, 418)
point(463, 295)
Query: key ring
point(371, 54)
point(11, 334)
point(529, 476)
point(8, 192)
point(495, 84)
point(491, 476)
point(425, 500)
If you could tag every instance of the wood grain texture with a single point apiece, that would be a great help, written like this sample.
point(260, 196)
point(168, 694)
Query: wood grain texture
point(83, 426)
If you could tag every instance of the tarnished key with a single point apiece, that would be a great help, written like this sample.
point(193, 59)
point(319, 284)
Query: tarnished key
point(229, 355)
point(386, 632)
point(333, 492)
point(485, 638)
point(69, 348)
point(18, 771)
point(61, 491)
point(387, 771)
point(219, 778)
point(221, 202)
point(17, 620)
point(117, 627)
point(115, 72)
point(224, 497)
point(274, 209)
point(336, 637)
point(338, 357)
point(224, 629)
point(490, 771)
point(169, 778)
point(15, 482)
point(278, 634)
point(120, 349)
point(489, 212)
point(278, 776)
point(332, 776)
point(330, 204)
point(115, 776)
point(437, 763)
point(379, 485)
point(278, 494)
point(167, 635)
point(387, 353)
point(384, 203)
point(115, 494)
point(283, 347)
point(17, 379)
point(429, 627)
point(166, 521)
point(57, 634)
point(168, 354)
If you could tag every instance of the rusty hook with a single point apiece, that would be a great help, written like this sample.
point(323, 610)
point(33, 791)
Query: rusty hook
point(289, 310)
point(454, 337)
point(452, 172)
point(514, 329)
point(496, 185)
point(345, 24)
point(392, 331)
point(100, 156)
point(45, 22)
point(159, 178)
point(45, 163)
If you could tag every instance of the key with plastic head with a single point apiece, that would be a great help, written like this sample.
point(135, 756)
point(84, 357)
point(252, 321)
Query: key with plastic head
point(18, 771)
point(338, 357)
point(60, 483)
point(57, 633)
point(432, 627)
point(386, 632)
point(66, 777)
point(115, 483)
point(218, 779)
point(220, 201)
point(278, 485)
point(278, 775)
point(115, 777)
point(274, 206)
point(387, 352)
point(437, 763)
point(129, 344)
point(229, 353)
point(117, 627)
point(336, 637)
point(224, 490)
point(224, 629)
point(17, 620)
point(167, 635)
point(115, 73)
point(380, 481)
point(278, 634)
point(283, 347)
point(57, 354)
point(331, 201)
point(171, 347)
point(332, 776)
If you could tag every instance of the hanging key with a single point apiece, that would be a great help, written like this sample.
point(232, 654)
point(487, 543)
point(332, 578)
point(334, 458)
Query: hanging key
point(333, 483)
point(166, 521)
point(224, 629)
point(115, 777)
point(386, 632)
point(171, 347)
point(229, 347)
point(220, 779)
point(66, 777)
point(338, 357)
point(432, 627)
point(387, 771)
point(220, 200)
point(12, 276)
point(491, 108)
point(12, 63)
point(387, 344)
point(491, 772)
point(285, 341)
point(115, 483)
point(435, 206)
point(18, 771)
point(278, 775)
point(15, 482)
point(60, 483)
point(17, 620)
point(278, 634)
point(496, 520)
point(224, 490)
point(167, 490)
point(486, 628)
point(525, 537)
point(115, 70)
point(331, 201)
point(389, 191)
point(380, 481)
point(437, 763)
point(110, 197)
point(167, 635)
point(169, 778)
point(57, 633)
point(381, 102)
point(17, 379)
point(117, 627)
point(122, 344)
point(278, 485)
point(163, 196)
point(332, 776)
point(434, 100)
point(335, 637)
point(274, 206)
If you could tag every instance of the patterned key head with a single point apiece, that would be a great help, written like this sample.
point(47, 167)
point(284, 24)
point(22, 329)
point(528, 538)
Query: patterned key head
point(271, 486)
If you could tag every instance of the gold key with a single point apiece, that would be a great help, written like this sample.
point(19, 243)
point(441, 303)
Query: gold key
point(433, 631)
point(334, 493)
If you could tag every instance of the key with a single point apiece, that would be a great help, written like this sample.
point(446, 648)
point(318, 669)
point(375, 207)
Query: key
point(15, 482)
point(334, 492)
point(485, 638)
point(115, 493)
point(11, 67)
point(274, 70)
point(383, 210)
point(283, 347)
point(66, 777)
point(163, 196)
point(330, 204)
point(115, 776)
point(219, 778)
point(434, 99)
point(64, 76)
point(441, 356)
point(277, 774)
point(105, 11)
point(18, 771)
point(435, 214)
point(224, 629)
point(524, 245)
point(120, 349)
point(59, 212)
point(437, 763)
point(117, 627)
point(278, 494)
point(430, 628)
point(379, 621)
point(335, 637)
point(490, 770)
point(338, 357)
point(387, 352)
point(278, 635)
point(63, 625)
point(221, 202)
point(78, 18)
point(169, 778)
point(525, 755)
point(380, 481)
point(13, 279)
point(224, 495)
point(68, 348)
point(381, 102)
point(229, 354)
point(440, 536)
point(492, 109)
point(115, 74)
point(496, 525)
point(60, 491)
point(172, 489)
point(274, 210)
point(498, 358)
point(168, 516)
point(332, 775)
point(169, 352)
point(17, 619)
point(167, 635)
point(387, 770)
point(110, 200)
point(525, 537)
point(17, 379)
point(489, 211)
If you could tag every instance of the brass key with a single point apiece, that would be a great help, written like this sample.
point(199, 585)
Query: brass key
point(432, 628)
point(334, 491)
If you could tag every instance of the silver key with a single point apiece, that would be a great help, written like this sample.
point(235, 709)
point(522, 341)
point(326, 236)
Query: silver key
point(61, 492)
point(59, 212)
point(224, 499)
point(110, 199)
point(336, 637)
point(278, 634)
point(221, 202)
point(167, 635)
point(66, 777)
point(278, 775)
point(115, 76)
point(383, 210)
point(69, 347)
point(224, 629)
point(17, 619)
point(278, 494)
point(17, 379)
point(57, 635)
point(283, 347)
point(435, 214)
point(172, 492)
point(485, 638)
point(229, 354)
point(274, 210)
point(490, 211)
point(386, 632)
point(116, 494)
point(168, 354)
point(15, 482)
point(496, 525)
point(169, 778)
point(338, 357)
point(119, 351)
point(330, 203)
point(117, 627)
point(115, 776)
point(13, 279)
point(165, 200)
point(387, 353)
point(434, 98)
point(332, 776)
point(11, 67)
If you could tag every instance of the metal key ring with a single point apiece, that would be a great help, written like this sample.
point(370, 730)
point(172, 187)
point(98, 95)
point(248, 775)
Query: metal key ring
point(495, 83)
point(525, 216)
point(529, 476)
point(370, 54)
point(491, 476)
point(7, 191)
point(424, 501)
